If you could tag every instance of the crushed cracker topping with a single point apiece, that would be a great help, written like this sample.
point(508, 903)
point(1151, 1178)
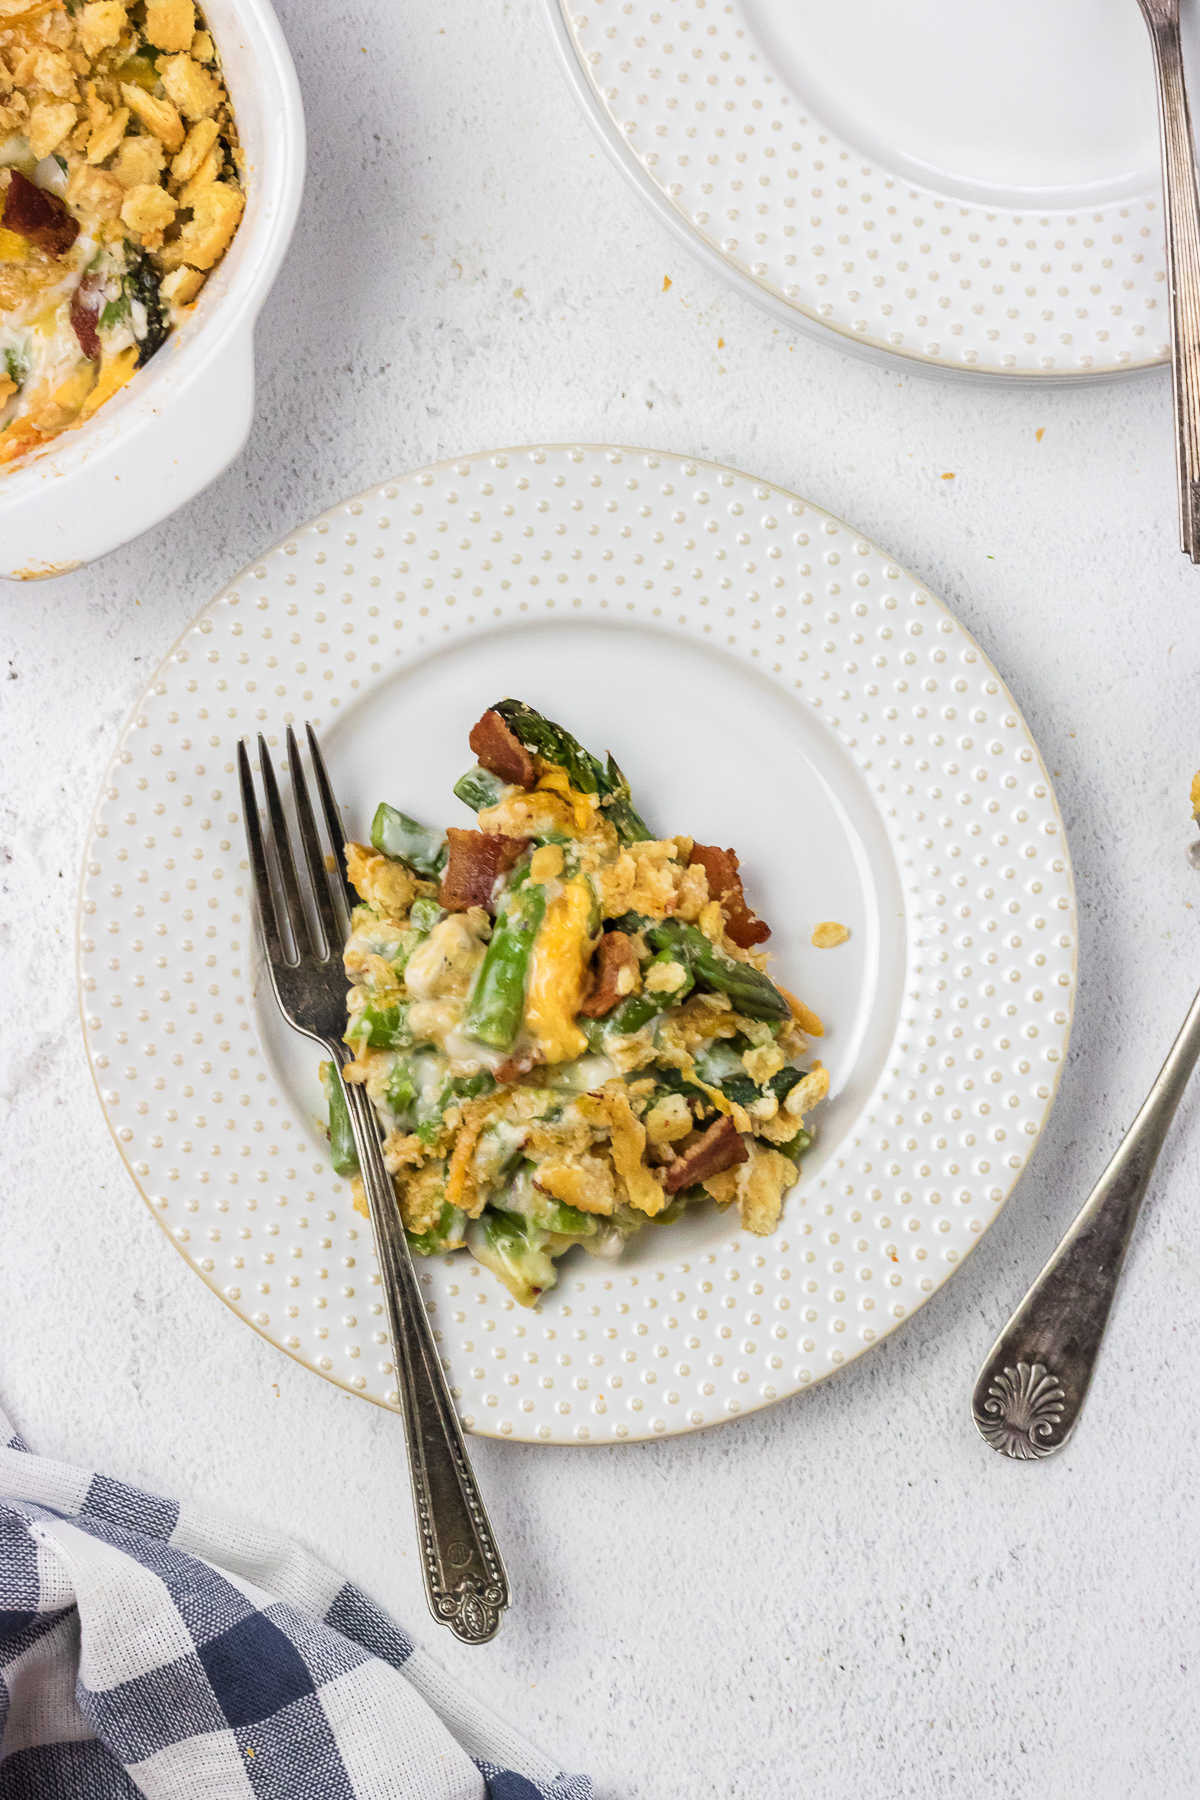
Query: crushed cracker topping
point(116, 116)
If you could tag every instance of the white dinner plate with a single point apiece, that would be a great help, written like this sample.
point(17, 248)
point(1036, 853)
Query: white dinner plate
point(767, 679)
point(971, 186)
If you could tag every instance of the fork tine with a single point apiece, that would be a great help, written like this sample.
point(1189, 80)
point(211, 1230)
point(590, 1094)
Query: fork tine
point(333, 824)
point(290, 881)
point(258, 857)
point(318, 873)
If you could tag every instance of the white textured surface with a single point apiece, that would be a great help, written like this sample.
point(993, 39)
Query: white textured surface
point(848, 1594)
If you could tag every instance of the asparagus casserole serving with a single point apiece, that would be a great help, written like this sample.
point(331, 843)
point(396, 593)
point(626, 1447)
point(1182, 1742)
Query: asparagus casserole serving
point(120, 191)
point(564, 1024)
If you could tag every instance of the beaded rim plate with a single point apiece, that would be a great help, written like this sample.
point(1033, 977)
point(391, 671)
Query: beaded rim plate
point(771, 679)
point(754, 129)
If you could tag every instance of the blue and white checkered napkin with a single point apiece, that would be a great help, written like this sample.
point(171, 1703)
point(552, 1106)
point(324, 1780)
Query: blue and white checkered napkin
point(146, 1649)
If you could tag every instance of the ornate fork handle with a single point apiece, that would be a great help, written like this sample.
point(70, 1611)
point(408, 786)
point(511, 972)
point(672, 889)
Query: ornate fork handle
point(464, 1575)
point(1183, 258)
point(1031, 1388)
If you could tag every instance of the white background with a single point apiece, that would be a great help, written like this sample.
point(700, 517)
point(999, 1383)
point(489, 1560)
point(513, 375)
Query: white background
point(848, 1595)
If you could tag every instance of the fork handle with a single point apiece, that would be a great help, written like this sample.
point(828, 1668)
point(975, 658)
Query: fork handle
point(1033, 1384)
point(1183, 269)
point(465, 1582)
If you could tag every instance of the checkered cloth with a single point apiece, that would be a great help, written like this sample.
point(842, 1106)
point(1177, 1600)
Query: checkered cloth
point(146, 1649)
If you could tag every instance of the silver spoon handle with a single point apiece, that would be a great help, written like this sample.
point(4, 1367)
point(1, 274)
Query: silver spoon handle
point(1183, 262)
point(1031, 1388)
point(465, 1581)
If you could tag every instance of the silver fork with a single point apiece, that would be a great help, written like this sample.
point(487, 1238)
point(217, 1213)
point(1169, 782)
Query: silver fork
point(303, 931)
point(1030, 1391)
point(1183, 257)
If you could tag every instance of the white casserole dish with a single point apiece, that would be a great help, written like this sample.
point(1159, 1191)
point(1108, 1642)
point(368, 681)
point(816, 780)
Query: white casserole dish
point(184, 417)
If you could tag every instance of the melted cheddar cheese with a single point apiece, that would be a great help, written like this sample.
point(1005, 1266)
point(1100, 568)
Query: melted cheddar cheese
point(556, 976)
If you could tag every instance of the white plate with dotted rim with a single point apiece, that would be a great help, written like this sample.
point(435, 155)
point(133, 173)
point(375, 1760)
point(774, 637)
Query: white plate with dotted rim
point(972, 190)
point(769, 679)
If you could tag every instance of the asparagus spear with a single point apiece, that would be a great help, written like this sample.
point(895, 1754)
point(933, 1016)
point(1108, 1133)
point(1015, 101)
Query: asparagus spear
point(750, 990)
point(544, 738)
point(628, 823)
point(515, 1252)
point(721, 1065)
point(563, 1220)
point(447, 1233)
point(430, 1117)
point(382, 1027)
point(639, 1009)
point(670, 1081)
point(342, 1153)
point(586, 772)
point(497, 1000)
point(402, 1091)
point(395, 834)
point(424, 914)
point(795, 1147)
point(782, 1083)
point(524, 1202)
point(479, 788)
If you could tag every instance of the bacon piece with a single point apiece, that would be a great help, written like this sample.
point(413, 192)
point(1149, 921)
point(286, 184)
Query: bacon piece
point(476, 859)
point(614, 953)
point(725, 885)
point(720, 1147)
point(43, 218)
point(500, 749)
point(85, 316)
point(513, 1067)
